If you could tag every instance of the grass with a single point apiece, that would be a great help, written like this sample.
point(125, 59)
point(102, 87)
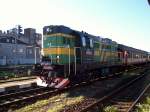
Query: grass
point(53, 104)
point(32, 107)
point(66, 102)
point(145, 107)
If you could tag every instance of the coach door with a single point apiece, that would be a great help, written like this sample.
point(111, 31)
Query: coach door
point(77, 58)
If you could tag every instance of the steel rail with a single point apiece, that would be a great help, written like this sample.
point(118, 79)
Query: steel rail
point(20, 92)
point(96, 103)
point(139, 97)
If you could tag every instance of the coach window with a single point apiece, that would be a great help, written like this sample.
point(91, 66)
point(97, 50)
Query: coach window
point(129, 54)
point(83, 41)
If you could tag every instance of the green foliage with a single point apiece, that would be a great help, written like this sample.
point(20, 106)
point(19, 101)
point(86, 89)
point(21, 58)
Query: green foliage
point(148, 100)
point(32, 107)
point(110, 109)
point(6, 74)
point(145, 107)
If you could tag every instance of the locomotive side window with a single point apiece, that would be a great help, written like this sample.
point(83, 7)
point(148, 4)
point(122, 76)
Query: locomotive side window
point(83, 41)
point(91, 43)
point(104, 46)
point(109, 47)
point(63, 41)
point(96, 45)
point(67, 41)
point(87, 42)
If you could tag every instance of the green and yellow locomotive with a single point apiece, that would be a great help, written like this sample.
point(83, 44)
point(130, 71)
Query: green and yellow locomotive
point(70, 56)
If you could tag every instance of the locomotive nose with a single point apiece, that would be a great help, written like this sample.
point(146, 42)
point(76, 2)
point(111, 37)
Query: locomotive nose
point(41, 82)
point(54, 83)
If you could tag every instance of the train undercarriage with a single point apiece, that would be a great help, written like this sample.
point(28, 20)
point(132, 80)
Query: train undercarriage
point(55, 76)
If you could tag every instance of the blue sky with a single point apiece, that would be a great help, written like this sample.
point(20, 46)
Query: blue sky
point(124, 21)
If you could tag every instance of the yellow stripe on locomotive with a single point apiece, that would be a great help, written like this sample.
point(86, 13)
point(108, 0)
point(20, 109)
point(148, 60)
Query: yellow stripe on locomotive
point(59, 48)
point(58, 51)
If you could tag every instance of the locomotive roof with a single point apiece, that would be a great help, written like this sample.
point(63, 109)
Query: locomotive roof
point(56, 29)
point(63, 29)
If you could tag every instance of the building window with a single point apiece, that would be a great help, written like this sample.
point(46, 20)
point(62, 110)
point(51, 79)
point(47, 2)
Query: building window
point(30, 51)
point(0, 48)
point(13, 41)
point(7, 40)
point(14, 50)
point(21, 50)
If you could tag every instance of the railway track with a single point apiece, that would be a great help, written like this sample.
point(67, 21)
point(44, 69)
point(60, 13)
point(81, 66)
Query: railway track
point(123, 98)
point(29, 96)
point(12, 100)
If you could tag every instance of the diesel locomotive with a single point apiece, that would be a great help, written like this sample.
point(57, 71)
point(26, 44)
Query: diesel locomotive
point(70, 56)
